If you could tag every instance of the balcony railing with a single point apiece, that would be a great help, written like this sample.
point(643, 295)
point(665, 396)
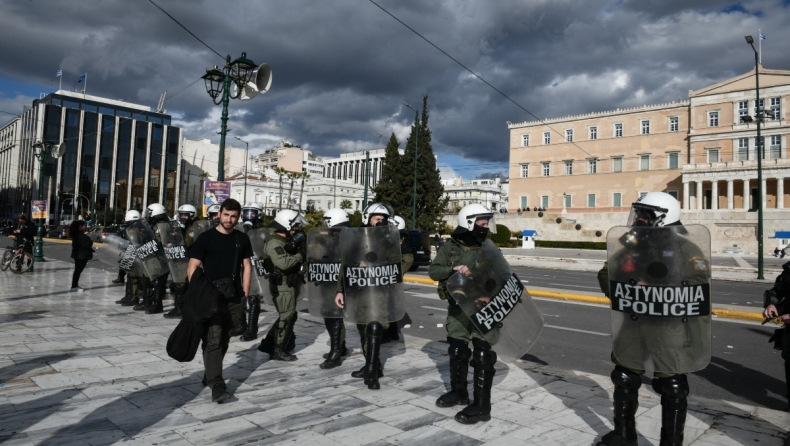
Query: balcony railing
point(750, 164)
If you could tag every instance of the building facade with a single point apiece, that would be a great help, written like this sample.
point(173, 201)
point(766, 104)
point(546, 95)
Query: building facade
point(290, 157)
point(268, 192)
point(488, 192)
point(351, 166)
point(598, 162)
point(117, 155)
point(326, 193)
point(10, 135)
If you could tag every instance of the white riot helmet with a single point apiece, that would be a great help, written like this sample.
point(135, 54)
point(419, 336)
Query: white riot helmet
point(155, 210)
point(213, 211)
point(131, 216)
point(334, 217)
point(251, 212)
point(654, 209)
point(399, 222)
point(376, 209)
point(470, 213)
point(186, 213)
point(289, 220)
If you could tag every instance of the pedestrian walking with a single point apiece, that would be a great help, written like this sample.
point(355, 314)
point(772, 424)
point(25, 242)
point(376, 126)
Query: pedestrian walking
point(224, 253)
point(81, 252)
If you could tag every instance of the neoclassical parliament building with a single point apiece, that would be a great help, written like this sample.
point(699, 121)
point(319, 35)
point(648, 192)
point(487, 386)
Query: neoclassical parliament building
point(702, 150)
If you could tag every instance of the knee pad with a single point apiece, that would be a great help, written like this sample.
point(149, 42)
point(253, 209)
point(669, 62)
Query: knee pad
point(374, 329)
point(626, 380)
point(480, 344)
point(458, 349)
point(675, 387)
point(485, 359)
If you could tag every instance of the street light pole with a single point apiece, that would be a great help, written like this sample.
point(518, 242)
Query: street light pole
point(246, 157)
point(115, 207)
point(367, 175)
point(416, 151)
point(43, 151)
point(760, 148)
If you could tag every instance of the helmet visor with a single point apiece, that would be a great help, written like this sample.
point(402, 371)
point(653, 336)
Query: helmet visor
point(646, 215)
point(488, 218)
point(249, 214)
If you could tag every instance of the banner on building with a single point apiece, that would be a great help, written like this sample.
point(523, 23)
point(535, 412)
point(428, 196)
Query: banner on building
point(214, 192)
point(38, 208)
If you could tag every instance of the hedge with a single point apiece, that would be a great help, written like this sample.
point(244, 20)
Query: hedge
point(570, 245)
point(502, 236)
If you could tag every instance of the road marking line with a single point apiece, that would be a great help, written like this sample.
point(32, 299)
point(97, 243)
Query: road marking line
point(742, 263)
point(576, 286)
point(577, 330)
point(435, 308)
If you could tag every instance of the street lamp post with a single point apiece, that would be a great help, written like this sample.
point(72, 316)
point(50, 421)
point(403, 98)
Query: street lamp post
point(416, 151)
point(115, 207)
point(218, 85)
point(44, 150)
point(246, 157)
point(760, 147)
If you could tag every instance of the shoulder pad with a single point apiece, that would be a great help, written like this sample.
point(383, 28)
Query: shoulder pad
point(279, 250)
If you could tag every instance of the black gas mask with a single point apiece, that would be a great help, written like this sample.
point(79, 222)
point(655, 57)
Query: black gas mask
point(480, 233)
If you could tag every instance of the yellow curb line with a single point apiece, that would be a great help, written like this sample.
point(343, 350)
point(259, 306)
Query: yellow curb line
point(722, 313)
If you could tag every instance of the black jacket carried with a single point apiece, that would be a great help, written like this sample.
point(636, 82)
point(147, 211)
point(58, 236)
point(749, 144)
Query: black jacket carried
point(201, 301)
point(81, 247)
point(27, 232)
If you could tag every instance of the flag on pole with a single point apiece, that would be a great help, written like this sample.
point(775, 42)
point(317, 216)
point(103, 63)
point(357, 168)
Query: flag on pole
point(81, 79)
point(59, 73)
point(762, 36)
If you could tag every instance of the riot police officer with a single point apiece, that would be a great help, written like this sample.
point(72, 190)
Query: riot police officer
point(370, 334)
point(251, 215)
point(186, 215)
point(213, 212)
point(454, 256)
point(776, 308)
point(408, 260)
point(335, 218)
point(133, 290)
point(653, 210)
point(154, 290)
point(284, 255)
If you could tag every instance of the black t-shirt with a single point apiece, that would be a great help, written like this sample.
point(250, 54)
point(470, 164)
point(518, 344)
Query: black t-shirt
point(216, 251)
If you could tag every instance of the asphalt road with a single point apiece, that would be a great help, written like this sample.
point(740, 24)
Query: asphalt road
point(744, 368)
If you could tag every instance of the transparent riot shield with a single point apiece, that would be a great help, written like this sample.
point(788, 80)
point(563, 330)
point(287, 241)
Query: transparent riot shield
point(119, 252)
point(323, 268)
point(659, 285)
point(149, 252)
point(497, 303)
point(175, 250)
point(202, 226)
point(259, 284)
point(372, 274)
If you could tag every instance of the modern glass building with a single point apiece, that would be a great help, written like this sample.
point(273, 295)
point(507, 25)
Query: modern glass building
point(117, 155)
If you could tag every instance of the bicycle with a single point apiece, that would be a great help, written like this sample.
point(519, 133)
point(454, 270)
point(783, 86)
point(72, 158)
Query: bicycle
point(17, 258)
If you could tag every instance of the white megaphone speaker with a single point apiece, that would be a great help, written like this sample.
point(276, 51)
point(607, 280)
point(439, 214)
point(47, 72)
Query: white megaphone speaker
point(60, 149)
point(259, 83)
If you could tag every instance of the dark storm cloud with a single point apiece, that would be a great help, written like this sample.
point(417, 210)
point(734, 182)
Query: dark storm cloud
point(342, 68)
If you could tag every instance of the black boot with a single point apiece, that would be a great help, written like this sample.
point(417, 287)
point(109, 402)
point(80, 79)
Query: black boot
point(363, 341)
point(334, 327)
point(280, 352)
point(480, 409)
point(673, 391)
point(178, 302)
point(343, 350)
point(121, 276)
point(374, 333)
point(626, 401)
point(147, 296)
point(254, 302)
point(459, 368)
point(160, 289)
point(292, 342)
point(268, 341)
point(787, 386)
point(128, 295)
point(136, 295)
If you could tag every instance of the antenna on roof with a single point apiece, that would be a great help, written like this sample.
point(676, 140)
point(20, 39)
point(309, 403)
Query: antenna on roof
point(160, 107)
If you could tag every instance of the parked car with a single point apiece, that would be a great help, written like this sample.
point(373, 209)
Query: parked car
point(420, 243)
point(98, 233)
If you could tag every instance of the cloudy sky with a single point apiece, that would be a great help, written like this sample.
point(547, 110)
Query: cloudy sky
point(342, 68)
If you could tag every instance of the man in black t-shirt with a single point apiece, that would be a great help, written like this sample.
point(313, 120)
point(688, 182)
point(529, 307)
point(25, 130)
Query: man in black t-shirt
point(222, 251)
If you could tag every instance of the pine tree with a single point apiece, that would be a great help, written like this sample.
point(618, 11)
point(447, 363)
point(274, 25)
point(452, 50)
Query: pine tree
point(389, 188)
point(430, 200)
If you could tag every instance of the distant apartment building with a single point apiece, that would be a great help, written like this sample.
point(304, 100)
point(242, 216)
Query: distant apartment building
point(701, 151)
point(289, 157)
point(488, 192)
point(10, 172)
point(350, 166)
point(115, 152)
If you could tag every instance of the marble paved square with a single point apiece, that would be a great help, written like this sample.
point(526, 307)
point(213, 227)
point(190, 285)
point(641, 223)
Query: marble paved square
point(75, 368)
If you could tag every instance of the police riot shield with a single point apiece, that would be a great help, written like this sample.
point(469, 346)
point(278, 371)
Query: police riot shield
point(659, 287)
point(323, 267)
point(175, 250)
point(202, 226)
point(372, 274)
point(150, 254)
point(497, 304)
point(118, 252)
point(259, 283)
